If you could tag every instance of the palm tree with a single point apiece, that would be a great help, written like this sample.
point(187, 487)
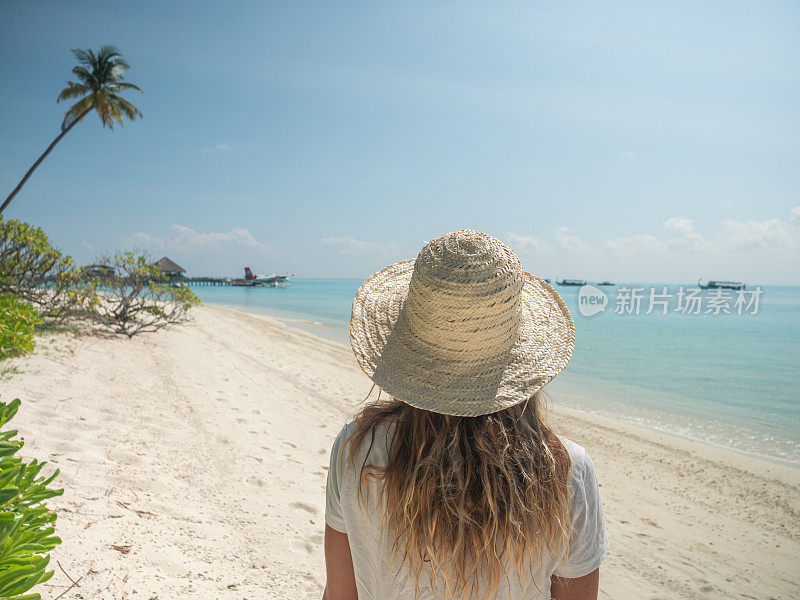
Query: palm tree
point(101, 80)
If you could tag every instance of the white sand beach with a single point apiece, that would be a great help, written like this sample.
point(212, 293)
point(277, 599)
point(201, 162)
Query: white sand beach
point(194, 462)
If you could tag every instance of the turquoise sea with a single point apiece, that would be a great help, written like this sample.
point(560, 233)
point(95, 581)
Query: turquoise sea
point(730, 379)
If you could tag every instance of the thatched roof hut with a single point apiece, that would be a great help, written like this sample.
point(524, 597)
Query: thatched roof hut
point(169, 268)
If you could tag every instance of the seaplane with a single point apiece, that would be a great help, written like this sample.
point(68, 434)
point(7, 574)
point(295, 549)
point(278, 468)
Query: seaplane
point(270, 280)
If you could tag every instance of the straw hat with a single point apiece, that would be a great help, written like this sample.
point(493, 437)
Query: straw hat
point(461, 330)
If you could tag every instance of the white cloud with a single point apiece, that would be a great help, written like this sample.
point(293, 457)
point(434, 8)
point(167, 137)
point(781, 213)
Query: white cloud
point(187, 239)
point(679, 226)
point(350, 246)
point(571, 243)
point(683, 236)
point(741, 250)
point(630, 154)
point(219, 148)
point(754, 235)
point(527, 244)
point(208, 253)
point(635, 245)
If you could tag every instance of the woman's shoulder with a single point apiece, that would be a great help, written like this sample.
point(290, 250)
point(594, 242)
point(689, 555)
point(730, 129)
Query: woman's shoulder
point(578, 455)
point(343, 436)
point(381, 430)
point(374, 442)
point(346, 429)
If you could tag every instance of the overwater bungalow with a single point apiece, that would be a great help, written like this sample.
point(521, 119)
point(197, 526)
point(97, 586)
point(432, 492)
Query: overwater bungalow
point(169, 268)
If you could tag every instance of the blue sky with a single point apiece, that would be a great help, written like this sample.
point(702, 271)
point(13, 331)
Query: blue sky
point(633, 141)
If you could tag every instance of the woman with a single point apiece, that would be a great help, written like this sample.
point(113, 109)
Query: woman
point(454, 487)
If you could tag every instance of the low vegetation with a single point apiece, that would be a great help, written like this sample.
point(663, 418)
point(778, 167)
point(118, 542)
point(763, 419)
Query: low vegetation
point(26, 524)
point(131, 295)
point(41, 288)
point(36, 273)
point(17, 322)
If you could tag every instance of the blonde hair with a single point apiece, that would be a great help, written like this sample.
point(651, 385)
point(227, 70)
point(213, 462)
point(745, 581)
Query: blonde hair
point(468, 495)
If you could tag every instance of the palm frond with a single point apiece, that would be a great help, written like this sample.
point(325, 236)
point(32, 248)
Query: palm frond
point(73, 90)
point(122, 86)
point(76, 110)
point(119, 64)
point(105, 116)
point(107, 52)
point(85, 76)
point(124, 107)
point(81, 55)
point(103, 108)
point(107, 109)
point(116, 72)
point(102, 77)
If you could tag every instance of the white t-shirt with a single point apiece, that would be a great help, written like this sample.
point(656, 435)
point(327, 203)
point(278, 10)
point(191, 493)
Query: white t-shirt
point(370, 546)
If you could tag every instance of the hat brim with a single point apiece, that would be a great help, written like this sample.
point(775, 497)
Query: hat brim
point(423, 376)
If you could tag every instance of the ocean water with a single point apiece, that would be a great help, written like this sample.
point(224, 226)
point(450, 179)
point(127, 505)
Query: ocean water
point(730, 379)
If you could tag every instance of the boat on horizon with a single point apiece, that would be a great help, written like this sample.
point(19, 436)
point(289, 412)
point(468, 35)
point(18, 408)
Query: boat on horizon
point(577, 282)
point(720, 285)
point(606, 283)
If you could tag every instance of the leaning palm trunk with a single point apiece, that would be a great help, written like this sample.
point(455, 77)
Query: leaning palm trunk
point(41, 158)
point(101, 81)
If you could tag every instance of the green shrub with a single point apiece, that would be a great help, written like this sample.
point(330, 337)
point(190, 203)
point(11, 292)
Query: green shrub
point(17, 321)
point(26, 526)
point(133, 296)
point(31, 269)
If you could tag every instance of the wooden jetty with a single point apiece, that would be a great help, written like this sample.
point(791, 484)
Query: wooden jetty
point(225, 281)
point(204, 281)
point(176, 277)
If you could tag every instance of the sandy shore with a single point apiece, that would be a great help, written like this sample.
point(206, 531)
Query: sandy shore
point(194, 462)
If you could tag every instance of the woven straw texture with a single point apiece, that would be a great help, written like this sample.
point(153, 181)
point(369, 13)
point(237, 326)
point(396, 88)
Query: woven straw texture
point(463, 329)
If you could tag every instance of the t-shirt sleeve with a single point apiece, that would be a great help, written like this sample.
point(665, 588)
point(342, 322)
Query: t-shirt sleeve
point(333, 504)
point(588, 543)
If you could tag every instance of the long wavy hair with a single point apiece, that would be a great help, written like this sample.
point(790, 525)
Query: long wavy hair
point(468, 496)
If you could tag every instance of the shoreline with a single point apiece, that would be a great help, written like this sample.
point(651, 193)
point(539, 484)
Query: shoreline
point(678, 438)
point(202, 451)
point(788, 471)
point(316, 328)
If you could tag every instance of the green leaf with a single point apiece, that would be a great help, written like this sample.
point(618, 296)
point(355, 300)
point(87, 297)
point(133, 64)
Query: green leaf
point(8, 493)
point(26, 533)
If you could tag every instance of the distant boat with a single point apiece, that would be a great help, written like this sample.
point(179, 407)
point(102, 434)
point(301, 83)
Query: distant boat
point(571, 282)
point(720, 285)
point(606, 283)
